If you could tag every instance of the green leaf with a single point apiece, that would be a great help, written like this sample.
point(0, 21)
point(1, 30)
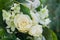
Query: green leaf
point(38, 8)
point(21, 1)
point(8, 37)
point(2, 32)
point(49, 34)
point(1, 19)
point(5, 4)
point(5, 36)
point(25, 10)
point(43, 1)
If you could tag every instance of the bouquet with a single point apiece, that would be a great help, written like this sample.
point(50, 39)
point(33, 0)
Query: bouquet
point(27, 21)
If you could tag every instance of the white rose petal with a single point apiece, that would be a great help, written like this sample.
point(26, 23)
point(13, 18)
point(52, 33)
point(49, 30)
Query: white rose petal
point(36, 30)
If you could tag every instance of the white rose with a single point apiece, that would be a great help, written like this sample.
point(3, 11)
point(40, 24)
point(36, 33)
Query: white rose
point(36, 30)
point(22, 22)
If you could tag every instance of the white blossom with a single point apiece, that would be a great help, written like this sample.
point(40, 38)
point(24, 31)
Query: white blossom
point(32, 4)
point(23, 23)
point(9, 19)
point(44, 16)
point(44, 12)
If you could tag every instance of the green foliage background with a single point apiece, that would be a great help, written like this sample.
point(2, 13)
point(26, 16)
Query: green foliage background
point(54, 15)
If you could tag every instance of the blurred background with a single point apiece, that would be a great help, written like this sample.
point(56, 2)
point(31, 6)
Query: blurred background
point(54, 15)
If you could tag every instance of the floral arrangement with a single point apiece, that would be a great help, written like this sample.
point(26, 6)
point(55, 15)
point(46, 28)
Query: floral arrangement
point(23, 18)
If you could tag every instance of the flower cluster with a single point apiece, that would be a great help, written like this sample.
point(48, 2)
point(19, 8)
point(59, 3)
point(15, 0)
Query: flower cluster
point(15, 19)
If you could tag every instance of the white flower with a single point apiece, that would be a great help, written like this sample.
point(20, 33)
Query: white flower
point(35, 17)
point(22, 22)
point(9, 18)
point(44, 16)
point(6, 15)
point(10, 22)
point(36, 30)
point(16, 8)
point(32, 4)
point(44, 12)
